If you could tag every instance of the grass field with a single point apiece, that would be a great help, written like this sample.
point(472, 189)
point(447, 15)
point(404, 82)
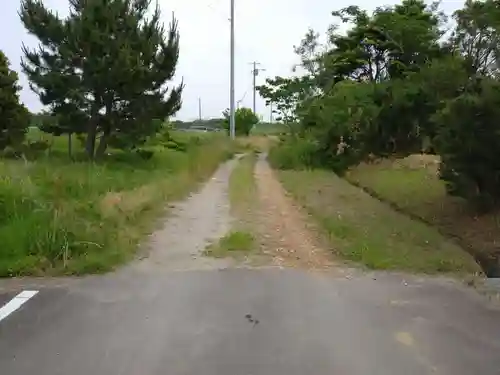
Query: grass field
point(256, 143)
point(63, 217)
point(412, 185)
point(364, 230)
point(266, 128)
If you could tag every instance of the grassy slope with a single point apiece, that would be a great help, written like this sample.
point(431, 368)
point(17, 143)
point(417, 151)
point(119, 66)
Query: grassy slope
point(416, 189)
point(62, 217)
point(365, 230)
point(242, 195)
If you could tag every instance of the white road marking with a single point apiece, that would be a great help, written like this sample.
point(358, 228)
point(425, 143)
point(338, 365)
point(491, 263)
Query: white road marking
point(16, 302)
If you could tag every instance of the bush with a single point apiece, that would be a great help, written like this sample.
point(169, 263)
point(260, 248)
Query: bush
point(294, 153)
point(244, 119)
point(343, 124)
point(468, 141)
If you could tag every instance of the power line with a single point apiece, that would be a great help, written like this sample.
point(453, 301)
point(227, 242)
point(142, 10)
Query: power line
point(240, 100)
point(218, 12)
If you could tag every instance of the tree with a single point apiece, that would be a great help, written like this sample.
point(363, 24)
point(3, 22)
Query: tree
point(468, 140)
point(372, 90)
point(244, 118)
point(65, 119)
point(14, 117)
point(103, 70)
point(287, 95)
point(387, 44)
point(392, 85)
point(477, 36)
point(343, 122)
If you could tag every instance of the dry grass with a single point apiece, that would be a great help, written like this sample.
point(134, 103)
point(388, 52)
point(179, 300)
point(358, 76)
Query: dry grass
point(364, 230)
point(257, 143)
point(415, 188)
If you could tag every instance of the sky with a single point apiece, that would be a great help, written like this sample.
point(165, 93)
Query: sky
point(265, 31)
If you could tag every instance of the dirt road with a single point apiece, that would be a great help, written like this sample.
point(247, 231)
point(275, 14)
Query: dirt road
point(176, 312)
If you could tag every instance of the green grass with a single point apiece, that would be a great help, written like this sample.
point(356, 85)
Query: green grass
point(233, 244)
point(62, 217)
point(240, 241)
point(416, 190)
point(265, 128)
point(364, 230)
point(410, 188)
point(242, 189)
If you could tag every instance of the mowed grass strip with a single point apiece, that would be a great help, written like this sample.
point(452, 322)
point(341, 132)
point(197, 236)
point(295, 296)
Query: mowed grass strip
point(234, 244)
point(362, 229)
point(62, 217)
point(240, 241)
point(242, 189)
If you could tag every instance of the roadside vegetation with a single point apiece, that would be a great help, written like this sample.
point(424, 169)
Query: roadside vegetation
point(269, 128)
point(84, 180)
point(240, 242)
point(235, 244)
point(412, 186)
point(362, 229)
point(244, 120)
point(399, 82)
point(69, 217)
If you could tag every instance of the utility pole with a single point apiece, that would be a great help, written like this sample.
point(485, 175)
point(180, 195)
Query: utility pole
point(271, 112)
point(199, 109)
point(231, 89)
point(255, 73)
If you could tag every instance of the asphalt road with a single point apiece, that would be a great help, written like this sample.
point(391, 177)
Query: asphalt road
point(251, 322)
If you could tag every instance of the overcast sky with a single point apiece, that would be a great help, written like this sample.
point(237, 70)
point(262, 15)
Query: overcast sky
point(266, 31)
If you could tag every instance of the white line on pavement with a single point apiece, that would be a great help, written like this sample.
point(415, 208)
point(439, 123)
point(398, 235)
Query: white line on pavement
point(16, 303)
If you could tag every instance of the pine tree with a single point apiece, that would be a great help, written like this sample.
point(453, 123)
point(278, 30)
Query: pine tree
point(106, 65)
point(14, 117)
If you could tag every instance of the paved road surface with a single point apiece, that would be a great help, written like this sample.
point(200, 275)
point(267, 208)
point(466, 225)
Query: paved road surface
point(252, 322)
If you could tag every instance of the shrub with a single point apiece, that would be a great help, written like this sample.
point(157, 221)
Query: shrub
point(293, 153)
point(244, 119)
point(343, 124)
point(468, 141)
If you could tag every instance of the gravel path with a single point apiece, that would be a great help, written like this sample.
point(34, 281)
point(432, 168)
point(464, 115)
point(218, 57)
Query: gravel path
point(287, 237)
point(190, 226)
